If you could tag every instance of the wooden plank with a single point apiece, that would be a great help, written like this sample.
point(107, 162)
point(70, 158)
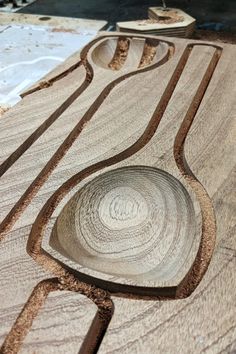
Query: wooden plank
point(204, 321)
point(58, 22)
point(169, 22)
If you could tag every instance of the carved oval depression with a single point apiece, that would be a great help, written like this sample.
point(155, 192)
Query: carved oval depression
point(117, 53)
point(136, 222)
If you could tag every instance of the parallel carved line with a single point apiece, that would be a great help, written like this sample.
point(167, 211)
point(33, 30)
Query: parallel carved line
point(35, 239)
point(32, 190)
point(66, 104)
point(43, 127)
point(207, 243)
point(23, 323)
point(45, 259)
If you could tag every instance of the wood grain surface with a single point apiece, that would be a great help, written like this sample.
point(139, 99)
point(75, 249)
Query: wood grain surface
point(161, 22)
point(165, 104)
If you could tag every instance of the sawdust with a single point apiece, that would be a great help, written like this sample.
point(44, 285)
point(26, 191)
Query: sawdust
point(172, 17)
point(120, 55)
point(44, 84)
point(61, 29)
point(148, 54)
point(98, 296)
point(23, 323)
point(3, 110)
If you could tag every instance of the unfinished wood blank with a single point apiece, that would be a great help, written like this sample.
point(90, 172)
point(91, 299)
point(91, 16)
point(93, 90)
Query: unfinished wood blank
point(115, 187)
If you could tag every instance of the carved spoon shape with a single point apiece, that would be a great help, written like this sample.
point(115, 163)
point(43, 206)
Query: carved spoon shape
point(120, 209)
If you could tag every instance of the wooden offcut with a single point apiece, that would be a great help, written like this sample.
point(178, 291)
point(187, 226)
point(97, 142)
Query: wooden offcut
point(161, 22)
point(117, 202)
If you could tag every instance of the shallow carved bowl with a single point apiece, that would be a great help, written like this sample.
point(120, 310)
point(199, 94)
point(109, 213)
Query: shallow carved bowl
point(136, 222)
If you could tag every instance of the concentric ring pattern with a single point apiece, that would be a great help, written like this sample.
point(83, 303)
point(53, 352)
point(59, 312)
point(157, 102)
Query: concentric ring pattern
point(137, 222)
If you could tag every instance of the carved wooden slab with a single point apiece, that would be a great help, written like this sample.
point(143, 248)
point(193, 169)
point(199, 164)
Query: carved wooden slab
point(117, 210)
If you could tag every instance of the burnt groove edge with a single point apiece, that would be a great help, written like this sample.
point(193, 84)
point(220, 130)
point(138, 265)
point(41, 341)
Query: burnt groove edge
point(38, 182)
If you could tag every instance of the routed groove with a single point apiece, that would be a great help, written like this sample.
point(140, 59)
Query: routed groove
point(32, 190)
point(43, 127)
point(47, 83)
point(24, 321)
point(100, 297)
point(119, 57)
point(35, 239)
point(62, 108)
point(55, 115)
point(34, 247)
point(96, 331)
point(207, 243)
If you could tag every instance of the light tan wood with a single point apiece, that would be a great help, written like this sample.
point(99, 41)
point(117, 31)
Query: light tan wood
point(136, 222)
point(200, 91)
point(169, 22)
point(58, 23)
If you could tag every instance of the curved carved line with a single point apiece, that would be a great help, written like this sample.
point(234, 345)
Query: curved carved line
point(190, 282)
point(97, 331)
point(47, 83)
point(34, 246)
point(24, 321)
point(32, 190)
point(207, 214)
point(207, 243)
point(43, 127)
point(64, 106)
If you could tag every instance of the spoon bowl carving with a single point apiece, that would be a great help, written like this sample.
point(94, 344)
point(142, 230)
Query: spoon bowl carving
point(135, 222)
point(125, 209)
point(127, 53)
point(175, 267)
